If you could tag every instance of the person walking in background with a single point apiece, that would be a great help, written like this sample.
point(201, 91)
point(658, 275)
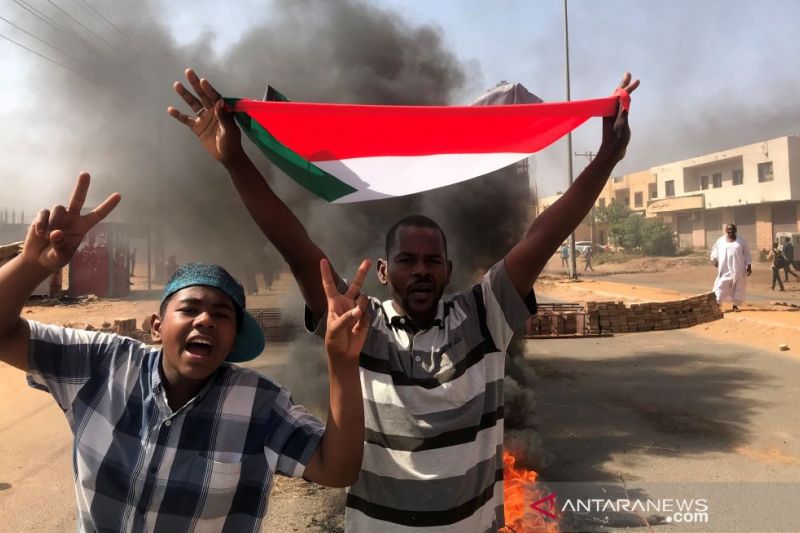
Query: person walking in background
point(788, 253)
point(731, 256)
point(132, 260)
point(587, 258)
point(565, 255)
point(778, 264)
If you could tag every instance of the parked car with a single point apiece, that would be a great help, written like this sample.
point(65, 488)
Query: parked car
point(582, 246)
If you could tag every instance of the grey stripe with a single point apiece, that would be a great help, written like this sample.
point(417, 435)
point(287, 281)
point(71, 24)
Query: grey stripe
point(393, 420)
point(428, 495)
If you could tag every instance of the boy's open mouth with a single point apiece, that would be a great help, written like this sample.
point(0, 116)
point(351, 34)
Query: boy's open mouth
point(199, 346)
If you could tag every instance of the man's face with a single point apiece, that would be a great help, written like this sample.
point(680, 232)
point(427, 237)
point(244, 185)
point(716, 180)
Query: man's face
point(416, 271)
point(197, 331)
point(730, 229)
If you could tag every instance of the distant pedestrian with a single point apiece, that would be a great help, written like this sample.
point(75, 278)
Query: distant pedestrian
point(132, 259)
point(565, 255)
point(587, 258)
point(788, 254)
point(778, 264)
point(170, 266)
point(731, 256)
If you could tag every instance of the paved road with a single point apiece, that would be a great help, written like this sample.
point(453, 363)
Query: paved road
point(674, 414)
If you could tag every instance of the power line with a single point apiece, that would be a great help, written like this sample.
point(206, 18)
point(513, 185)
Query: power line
point(35, 37)
point(80, 24)
point(40, 55)
point(41, 16)
point(100, 16)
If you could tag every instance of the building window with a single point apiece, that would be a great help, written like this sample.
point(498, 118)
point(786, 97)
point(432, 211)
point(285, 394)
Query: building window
point(653, 193)
point(765, 172)
point(669, 185)
point(638, 201)
point(716, 180)
point(602, 202)
point(738, 176)
point(627, 200)
point(704, 182)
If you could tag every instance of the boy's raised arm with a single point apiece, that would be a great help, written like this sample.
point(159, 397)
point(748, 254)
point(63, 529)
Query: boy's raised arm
point(337, 461)
point(527, 258)
point(52, 239)
point(221, 138)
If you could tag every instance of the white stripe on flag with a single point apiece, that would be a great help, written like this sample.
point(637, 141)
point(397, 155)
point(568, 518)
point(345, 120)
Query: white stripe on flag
point(385, 176)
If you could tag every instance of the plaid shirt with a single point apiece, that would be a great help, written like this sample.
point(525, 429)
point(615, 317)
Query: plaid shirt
point(138, 465)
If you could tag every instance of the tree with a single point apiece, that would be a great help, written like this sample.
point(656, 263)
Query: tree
point(656, 237)
point(632, 231)
point(612, 214)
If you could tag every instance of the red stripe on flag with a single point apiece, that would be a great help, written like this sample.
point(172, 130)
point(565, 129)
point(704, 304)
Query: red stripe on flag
point(324, 132)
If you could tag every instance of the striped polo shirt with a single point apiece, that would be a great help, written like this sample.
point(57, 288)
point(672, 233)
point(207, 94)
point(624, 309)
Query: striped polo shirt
point(138, 465)
point(433, 406)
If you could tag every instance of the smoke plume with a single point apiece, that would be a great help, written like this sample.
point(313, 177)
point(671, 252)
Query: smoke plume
point(107, 114)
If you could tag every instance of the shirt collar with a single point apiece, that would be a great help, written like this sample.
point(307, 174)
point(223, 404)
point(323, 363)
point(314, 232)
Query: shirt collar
point(157, 383)
point(402, 321)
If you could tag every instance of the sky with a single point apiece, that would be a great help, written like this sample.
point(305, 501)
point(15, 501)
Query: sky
point(714, 74)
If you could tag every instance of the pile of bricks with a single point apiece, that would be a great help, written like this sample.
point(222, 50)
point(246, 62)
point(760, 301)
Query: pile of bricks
point(615, 317)
point(551, 323)
point(557, 319)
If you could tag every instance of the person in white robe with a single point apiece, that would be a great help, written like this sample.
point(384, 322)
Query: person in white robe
point(731, 256)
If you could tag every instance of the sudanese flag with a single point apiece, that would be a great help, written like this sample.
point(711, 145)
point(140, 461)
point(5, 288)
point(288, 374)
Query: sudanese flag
point(353, 153)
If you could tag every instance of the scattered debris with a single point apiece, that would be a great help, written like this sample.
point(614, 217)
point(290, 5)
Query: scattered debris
point(147, 321)
point(124, 326)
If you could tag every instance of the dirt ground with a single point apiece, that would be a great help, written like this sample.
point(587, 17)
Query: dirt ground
point(767, 320)
point(36, 492)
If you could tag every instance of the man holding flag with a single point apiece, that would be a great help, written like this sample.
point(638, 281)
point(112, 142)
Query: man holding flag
point(432, 366)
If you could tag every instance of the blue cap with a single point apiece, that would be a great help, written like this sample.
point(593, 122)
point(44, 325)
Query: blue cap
point(249, 339)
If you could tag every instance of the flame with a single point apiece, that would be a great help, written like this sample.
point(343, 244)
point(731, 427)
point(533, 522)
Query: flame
point(520, 490)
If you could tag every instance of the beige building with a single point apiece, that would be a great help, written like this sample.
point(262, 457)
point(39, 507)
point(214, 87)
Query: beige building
point(755, 186)
point(586, 231)
point(632, 190)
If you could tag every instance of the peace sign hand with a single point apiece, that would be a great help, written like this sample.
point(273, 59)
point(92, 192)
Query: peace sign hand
point(213, 125)
point(55, 234)
point(348, 320)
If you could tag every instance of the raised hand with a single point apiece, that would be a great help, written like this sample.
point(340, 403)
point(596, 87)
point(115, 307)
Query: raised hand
point(348, 320)
point(55, 234)
point(212, 124)
point(616, 131)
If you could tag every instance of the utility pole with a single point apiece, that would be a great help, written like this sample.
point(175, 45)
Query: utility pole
point(590, 157)
point(573, 268)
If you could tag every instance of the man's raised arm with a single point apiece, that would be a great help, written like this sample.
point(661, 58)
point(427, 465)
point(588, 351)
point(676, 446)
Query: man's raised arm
point(52, 239)
point(221, 138)
point(528, 257)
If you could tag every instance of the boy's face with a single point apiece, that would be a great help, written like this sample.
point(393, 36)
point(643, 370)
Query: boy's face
point(416, 271)
point(197, 331)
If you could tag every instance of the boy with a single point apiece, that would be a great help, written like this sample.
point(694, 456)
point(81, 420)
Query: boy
point(432, 366)
point(177, 438)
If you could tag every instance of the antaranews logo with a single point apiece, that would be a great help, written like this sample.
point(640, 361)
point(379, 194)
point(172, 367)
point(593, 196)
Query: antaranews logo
point(676, 510)
point(547, 506)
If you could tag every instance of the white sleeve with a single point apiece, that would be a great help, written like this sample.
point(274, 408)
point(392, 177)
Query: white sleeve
point(715, 251)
